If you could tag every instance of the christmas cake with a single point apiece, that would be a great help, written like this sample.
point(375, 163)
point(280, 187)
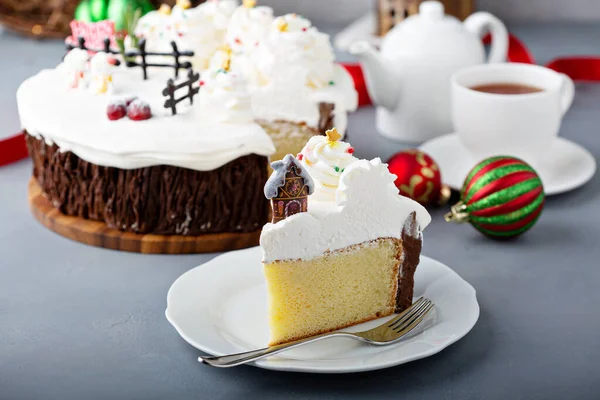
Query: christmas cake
point(343, 245)
point(297, 90)
point(159, 155)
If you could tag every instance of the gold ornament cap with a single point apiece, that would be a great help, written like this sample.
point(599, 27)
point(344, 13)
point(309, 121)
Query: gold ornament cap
point(445, 194)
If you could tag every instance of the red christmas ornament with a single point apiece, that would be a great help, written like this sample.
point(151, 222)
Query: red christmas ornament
point(418, 177)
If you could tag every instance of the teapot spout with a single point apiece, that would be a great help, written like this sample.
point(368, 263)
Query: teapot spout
point(382, 84)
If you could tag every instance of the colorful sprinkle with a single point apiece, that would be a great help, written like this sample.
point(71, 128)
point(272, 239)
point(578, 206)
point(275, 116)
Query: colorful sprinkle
point(237, 40)
point(337, 169)
point(300, 156)
point(350, 150)
point(201, 83)
point(331, 83)
point(304, 29)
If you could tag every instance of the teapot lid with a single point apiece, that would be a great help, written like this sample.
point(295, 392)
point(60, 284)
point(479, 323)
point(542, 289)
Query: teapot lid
point(429, 32)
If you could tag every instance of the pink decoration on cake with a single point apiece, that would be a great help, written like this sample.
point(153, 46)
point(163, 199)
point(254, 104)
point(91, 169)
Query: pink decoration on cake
point(94, 33)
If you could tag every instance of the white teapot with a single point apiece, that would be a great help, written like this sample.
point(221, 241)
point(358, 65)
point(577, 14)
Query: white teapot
point(409, 80)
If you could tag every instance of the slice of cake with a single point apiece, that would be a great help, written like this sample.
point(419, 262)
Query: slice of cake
point(343, 245)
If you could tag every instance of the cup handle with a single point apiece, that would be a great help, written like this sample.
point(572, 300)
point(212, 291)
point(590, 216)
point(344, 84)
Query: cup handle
point(567, 93)
point(483, 22)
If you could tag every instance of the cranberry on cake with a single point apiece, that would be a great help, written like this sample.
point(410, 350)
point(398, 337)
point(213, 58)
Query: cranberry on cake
point(160, 155)
point(343, 245)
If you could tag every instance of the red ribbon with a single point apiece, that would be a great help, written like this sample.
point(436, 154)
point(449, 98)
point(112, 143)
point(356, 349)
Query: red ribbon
point(577, 68)
point(12, 149)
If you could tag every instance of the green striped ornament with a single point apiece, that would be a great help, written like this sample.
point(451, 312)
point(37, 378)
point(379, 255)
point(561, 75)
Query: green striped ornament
point(501, 197)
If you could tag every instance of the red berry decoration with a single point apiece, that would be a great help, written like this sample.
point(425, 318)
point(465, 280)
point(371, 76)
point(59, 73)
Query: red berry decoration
point(139, 110)
point(418, 177)
point(502, 197)
point(116, 110)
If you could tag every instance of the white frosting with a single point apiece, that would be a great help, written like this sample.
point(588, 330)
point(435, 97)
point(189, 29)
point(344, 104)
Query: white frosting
point(76, 121)
point(295, 48)
point(76, 63)
point(367, 207)
point(101, 70)
point(76, 60)
point(201, 29)
point(295, 71)
point(291, 71)
point(325, 161)
point(248, 27)
point(225, 96)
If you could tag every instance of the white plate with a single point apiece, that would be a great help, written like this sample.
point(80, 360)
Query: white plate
point(220, 308)
point(572, 166)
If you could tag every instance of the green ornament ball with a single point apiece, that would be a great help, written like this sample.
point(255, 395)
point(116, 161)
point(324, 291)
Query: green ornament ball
point(124, 13)
point(82, 12)
point(98, 9)
point(501, 197)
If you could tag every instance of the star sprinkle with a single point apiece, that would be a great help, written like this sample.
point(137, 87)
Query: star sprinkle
point(333, 135)
point(282, 25)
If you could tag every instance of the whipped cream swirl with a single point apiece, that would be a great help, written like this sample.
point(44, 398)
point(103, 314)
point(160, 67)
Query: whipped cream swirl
point(201, 29)
point(294, 48)
point(326, 158)
point(225, 97)
point(248, 27)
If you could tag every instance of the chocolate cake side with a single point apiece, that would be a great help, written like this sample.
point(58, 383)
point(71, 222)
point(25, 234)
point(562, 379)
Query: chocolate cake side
point(412, 244)
point(160, 199)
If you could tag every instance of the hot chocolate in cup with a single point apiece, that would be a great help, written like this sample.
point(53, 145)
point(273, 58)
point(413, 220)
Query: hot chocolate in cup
point(509, 109)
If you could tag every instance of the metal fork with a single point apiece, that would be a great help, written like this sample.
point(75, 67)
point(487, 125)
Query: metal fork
point(390, 332)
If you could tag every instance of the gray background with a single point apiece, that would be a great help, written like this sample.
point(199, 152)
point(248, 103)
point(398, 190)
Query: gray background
point(346, 11)
point(78, 322)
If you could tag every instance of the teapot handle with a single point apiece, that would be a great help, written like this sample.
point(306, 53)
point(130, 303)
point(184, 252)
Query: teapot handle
point(481, 23)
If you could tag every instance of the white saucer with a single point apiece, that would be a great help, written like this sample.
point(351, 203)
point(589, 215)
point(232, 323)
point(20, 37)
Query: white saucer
point(220, 308)
point(571, 167)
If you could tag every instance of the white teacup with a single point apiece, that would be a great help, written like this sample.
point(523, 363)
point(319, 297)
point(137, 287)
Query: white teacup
point(521, 125)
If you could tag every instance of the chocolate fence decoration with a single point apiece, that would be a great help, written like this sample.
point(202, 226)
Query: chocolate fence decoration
point(105, 47)
point(144, 64)
point(171, 88)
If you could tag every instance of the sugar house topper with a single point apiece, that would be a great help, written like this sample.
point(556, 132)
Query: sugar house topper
point(288, 188)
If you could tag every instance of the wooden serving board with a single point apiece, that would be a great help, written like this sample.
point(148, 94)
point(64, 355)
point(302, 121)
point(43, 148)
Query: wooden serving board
point(97, 234)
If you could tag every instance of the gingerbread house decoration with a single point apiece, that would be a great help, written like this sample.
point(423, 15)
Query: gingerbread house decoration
point(288, 188)
point(392, 12)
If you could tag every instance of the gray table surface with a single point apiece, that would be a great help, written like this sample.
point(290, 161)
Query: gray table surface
point(78, 322)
